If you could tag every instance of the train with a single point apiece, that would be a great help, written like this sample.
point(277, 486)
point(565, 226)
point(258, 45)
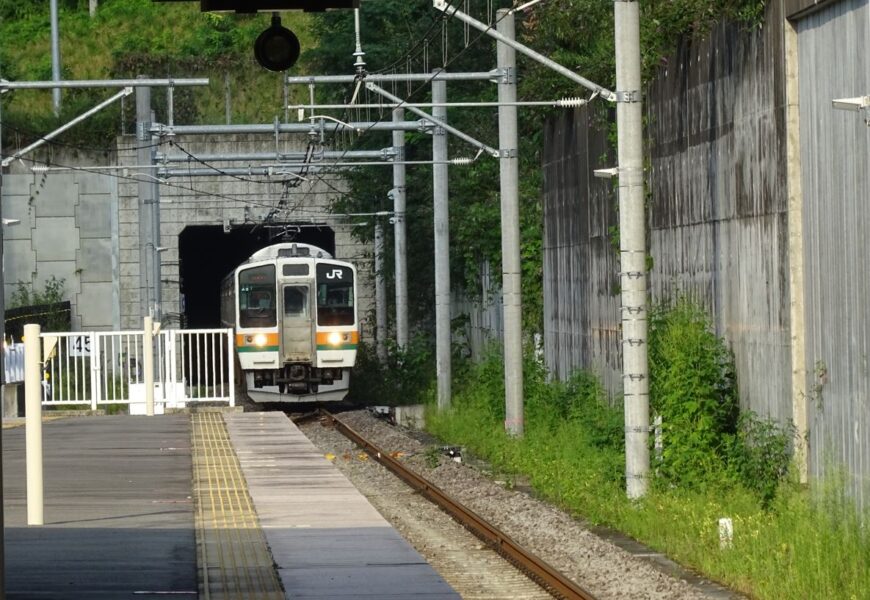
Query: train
point(293, 310)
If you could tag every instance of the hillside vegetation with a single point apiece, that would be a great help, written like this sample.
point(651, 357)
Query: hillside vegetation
point(126, 38)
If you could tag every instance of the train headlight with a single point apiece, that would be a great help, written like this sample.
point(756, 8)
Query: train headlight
point(334, 338)
point(260, 340)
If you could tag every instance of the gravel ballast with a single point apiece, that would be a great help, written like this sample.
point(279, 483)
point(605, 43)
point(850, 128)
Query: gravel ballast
point(596, 564)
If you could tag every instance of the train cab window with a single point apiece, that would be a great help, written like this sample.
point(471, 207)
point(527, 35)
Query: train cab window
point(296, 301)
point(335, 299)
point(257, 307)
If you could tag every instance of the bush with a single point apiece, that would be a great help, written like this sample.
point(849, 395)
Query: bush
point(693, 387)
point(762, 454)
point(404, 378)
point(26, 295)
point(47, 308)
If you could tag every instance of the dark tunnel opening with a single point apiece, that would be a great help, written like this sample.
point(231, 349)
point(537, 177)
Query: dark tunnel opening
point(208, 253)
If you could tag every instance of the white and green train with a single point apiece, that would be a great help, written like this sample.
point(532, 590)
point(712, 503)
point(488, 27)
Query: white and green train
point(293, 309)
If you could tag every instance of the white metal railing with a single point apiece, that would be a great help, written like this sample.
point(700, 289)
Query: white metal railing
point(100, 368)
point(203, 360)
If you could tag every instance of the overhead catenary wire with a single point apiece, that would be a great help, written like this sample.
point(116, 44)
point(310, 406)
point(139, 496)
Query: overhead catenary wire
point(317, 177)
point(135, 178)
point(427, 80)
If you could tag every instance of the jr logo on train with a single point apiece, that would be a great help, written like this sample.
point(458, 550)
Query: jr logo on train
point(293, 309)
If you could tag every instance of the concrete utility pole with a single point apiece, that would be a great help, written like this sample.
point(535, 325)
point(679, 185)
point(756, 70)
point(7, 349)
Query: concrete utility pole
point(155, 232)
point(442, 248)
point(510, 227)
point(400, 232)
point(147, 247)
point(55, 56)
point(380, 293)
point(632, 247)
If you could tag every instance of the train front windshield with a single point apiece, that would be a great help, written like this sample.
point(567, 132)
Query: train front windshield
point(257, 297)
point(335, 301)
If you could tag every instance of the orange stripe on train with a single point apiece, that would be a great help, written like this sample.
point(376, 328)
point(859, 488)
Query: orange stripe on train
point(247, 339)
point(352, 337)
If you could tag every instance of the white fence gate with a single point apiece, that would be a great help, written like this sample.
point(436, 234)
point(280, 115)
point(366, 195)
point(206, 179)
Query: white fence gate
point(102, 368)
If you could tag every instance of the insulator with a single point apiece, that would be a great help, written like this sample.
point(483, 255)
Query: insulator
point(571, 102)
point(462, 161)
point(39, 169)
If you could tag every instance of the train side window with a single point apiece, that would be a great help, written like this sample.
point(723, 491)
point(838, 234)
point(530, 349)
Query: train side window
point(295, 301)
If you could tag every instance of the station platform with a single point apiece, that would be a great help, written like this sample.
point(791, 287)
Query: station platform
point(207, 505)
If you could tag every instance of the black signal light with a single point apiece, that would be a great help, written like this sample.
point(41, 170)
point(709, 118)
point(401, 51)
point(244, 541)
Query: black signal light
point(277, 48)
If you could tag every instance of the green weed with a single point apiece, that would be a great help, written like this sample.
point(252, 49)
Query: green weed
point(693, 386)
point(788, 542)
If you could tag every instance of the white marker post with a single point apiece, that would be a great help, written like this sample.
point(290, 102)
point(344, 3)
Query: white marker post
point(726, 533)
point(33, 423)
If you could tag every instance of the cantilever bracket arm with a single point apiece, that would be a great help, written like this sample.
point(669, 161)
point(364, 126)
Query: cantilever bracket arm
point(452, 11)
point(437, 122)
point(125, 92)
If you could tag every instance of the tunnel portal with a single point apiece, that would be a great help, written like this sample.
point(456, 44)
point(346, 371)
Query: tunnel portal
point(208, 253)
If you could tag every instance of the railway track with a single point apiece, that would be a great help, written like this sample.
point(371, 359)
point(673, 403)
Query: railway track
point(536, 569)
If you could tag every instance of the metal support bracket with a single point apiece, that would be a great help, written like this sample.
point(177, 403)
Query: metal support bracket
point(425, 126)
point(628, 96)
point(142, 131)
point(633, 274)
point(498, 76)
point(636, 429)
point(508, 153)
point(508, 76)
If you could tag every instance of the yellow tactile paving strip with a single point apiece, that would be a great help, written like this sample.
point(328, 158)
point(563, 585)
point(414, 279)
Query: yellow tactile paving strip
point(234, 560)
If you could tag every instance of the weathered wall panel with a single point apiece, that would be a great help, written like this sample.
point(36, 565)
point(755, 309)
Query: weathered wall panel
point(717, 214)
point(718, 198)
point(581, 302)
point(484, 315)
point(68, 230)
point(835, 154)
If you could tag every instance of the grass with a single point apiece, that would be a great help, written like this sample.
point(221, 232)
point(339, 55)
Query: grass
point(800, 544)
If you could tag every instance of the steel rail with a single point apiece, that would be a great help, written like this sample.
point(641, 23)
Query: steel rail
point(541, 572)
